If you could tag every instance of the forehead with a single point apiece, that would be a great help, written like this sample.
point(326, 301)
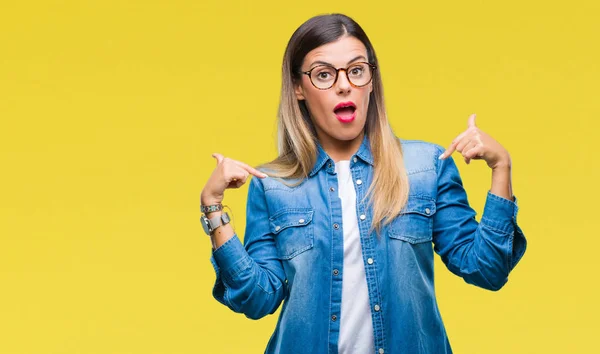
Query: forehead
point(337, 53)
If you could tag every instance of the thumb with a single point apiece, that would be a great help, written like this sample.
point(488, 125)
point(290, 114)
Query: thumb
point(472, 120)
point(218, 156)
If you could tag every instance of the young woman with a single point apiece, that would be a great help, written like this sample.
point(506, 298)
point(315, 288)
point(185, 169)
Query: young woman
point(343, 228)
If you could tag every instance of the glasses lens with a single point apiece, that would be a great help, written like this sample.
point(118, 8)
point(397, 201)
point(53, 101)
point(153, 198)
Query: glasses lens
point(359, 74)
point(323, 76)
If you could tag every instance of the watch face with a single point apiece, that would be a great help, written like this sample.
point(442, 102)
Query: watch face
point(205, 224)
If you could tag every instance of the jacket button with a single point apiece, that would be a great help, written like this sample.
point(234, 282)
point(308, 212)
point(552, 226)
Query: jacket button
point(427, 211)
point(380, 350)
point(277, 228)
point(334, 318)
point(355, 159)
point(363, 216)
point(336, 272)
point(301, 221)
point(336, 226)
point(331, 189)
point(377, 308)
point(370, 260)
point(358, 181)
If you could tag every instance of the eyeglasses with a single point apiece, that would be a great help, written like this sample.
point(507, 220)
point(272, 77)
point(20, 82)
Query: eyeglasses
point(324, 77)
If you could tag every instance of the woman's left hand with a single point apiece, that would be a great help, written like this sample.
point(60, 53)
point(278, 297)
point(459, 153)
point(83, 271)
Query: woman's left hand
point(475, 144)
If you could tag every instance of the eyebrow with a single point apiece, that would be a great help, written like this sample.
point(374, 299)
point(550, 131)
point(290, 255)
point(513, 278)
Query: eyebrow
point(326, 63)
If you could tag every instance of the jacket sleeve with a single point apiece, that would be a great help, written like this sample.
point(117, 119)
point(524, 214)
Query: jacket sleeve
point(482, 253)
point(250, 278)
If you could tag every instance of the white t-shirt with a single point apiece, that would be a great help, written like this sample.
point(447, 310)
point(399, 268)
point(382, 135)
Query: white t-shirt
point(356, 326)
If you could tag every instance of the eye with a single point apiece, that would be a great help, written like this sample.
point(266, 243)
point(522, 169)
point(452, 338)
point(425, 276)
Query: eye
point(356, 70)
point(323, 75)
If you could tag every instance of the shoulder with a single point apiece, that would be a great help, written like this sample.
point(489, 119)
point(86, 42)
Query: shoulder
point(420, 155)
point(420, 146)
point(273, 182)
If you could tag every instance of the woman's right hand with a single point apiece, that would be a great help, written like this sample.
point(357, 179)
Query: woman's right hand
point(229, 173)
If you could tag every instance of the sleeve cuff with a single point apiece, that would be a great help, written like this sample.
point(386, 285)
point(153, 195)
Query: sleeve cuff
point(500, 213)
point(230, 258)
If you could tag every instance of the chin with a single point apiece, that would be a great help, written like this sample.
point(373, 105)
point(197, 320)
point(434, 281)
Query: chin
point(348, 136)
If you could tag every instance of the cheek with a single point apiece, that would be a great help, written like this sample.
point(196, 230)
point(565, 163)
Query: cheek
point(317, 102)
point(365, 101)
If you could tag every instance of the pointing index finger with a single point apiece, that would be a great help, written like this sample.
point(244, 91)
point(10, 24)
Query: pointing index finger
point(452, 146)
point(251, 169)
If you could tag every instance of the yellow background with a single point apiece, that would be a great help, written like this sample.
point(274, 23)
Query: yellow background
point(110, 111)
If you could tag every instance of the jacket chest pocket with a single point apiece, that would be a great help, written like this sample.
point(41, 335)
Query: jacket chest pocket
point(415, 223)
point(293, 231)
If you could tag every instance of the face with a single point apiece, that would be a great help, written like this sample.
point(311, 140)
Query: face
point(336, 126)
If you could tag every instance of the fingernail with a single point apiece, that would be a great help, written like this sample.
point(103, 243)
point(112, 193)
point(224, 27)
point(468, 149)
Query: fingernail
point(264, 174)
point(441, 157)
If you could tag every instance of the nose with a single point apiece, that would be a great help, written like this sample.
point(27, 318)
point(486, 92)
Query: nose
point(342, 85)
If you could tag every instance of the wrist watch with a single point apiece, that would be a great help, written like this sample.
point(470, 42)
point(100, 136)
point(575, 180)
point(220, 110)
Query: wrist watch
point(209, 225)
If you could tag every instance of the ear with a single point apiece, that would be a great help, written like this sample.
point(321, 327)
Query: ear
point(299, 91)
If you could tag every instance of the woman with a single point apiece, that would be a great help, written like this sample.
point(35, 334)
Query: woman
point(342, 228)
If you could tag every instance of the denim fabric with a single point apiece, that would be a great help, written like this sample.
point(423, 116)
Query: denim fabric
point(293, 253)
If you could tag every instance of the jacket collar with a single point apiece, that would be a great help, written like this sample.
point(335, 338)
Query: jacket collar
point(364, 153)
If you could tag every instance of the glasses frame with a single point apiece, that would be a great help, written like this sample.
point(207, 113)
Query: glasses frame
point(337, 74)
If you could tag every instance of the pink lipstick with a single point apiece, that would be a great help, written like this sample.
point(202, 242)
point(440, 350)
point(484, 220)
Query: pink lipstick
point(345, 112)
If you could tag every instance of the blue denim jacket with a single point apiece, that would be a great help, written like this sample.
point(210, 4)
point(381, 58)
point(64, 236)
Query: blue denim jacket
point(293, 253)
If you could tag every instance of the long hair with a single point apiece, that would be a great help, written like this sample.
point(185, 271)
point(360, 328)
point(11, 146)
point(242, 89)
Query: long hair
point(297, 138)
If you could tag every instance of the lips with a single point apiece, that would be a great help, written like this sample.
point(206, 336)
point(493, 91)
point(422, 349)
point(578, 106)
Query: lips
point(345, 112)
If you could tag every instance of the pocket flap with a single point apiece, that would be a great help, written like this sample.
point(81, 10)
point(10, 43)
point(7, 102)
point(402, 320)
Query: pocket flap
point(421, 206)
point(414, 224)
point(290, 218)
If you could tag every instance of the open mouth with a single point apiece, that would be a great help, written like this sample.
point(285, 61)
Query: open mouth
point(345, 112)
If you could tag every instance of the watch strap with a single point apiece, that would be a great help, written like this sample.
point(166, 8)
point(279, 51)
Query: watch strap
point(217, 221)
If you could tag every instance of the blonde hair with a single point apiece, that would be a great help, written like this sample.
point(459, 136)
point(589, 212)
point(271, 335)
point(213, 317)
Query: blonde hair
point(297, 142)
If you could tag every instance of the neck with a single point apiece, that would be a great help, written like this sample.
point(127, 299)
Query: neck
point(341, 149)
